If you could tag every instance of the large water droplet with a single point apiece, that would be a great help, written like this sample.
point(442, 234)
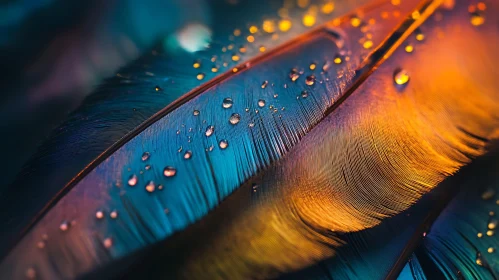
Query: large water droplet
point(150, 187)
point(234, 118)
point(294, 74)
point(227, 103)
point(223, 144)
point(132, 181)
point(310, 80)
point(209, 130)
point(264, 84)
point(401, 77)
point(187, 155)
point(261, 103)
point(145, 156)
point(169, 171)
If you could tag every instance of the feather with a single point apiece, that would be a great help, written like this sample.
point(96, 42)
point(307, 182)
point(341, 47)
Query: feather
point(336, 161)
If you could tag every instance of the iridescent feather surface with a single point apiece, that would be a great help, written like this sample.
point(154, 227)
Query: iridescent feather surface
point(362, 148)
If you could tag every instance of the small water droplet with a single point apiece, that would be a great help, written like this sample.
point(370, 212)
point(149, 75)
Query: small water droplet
point(150, 187)
point(64, 226)
point(160, 187)
point(31, 273)
point(187, 155)
point(209, 130)
point(223, 144)
point(145, 156)
point(40, 244)
point(196, 113)
point(234, 118)
point(158, 88)
point(264, 84)
point(310, 80)
point(261, 103)
point(251, 124)
point(304, 94)
point(488, 194)
point(419, 35)
point(337, 59)
point(169, 171)
point(113, 214)
point(108, 243)
point(492, 223)
point(312, 66)
point(401, 77)
point(99, 214)
point(479, 260)
point(196, 64)
point(227, 103)
point(132, 181)
point(409, 48)
point(147, 167)
point(477, 19)
point(254, 188)
point(294, 74)
point(490, 250)
point(479, 235)
point(490, 232)
point(200, 76)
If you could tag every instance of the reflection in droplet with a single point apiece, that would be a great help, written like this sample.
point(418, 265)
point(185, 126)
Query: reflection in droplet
point(234, 118)
point(150, 187)
point(187, 155)
point(169, 171)
point(294, 75)
point(227, 103)
point(209, 130)
point(223, 144)
point(132, 181)
point(196, 113)
point(99, 214)
point(261, 103)
point(401, 77)
point(145, 156)
point(310, 80)
point(264, 84)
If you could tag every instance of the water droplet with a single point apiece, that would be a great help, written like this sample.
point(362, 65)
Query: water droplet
point(294, 74)
point(477, 19)
point(196, 64)
point(187, 155)
point(158, 88)
point(488, 194)
point(150, 187)
point(479, 260)
point(169, 171)
point(145, 156)
point(209, 130)
point(479, 235)
point(251, 124)
point(401, 77)
point(113, 214)
point(264, 84)
point(31, 273)
point(492, 223)
point(196, 113)
point(490, 232)
point(310, 80)
point(214, 69)
point(64, 226)
point(312, 66)
point(234, 118)
point(304, 94)
point(490, 250)
point(227, 103)
point(254, 188)
point(419, 35)
point(99, 214)
point(132, 181)
point(337, 60)
point(108, 243)
point(261, 103)
point(160, 187)
point(40, 244)
point(223, 144)
point(355, 21)
point(147, 167)
point(200, 76)
point(409, 48)
point(367, 44)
